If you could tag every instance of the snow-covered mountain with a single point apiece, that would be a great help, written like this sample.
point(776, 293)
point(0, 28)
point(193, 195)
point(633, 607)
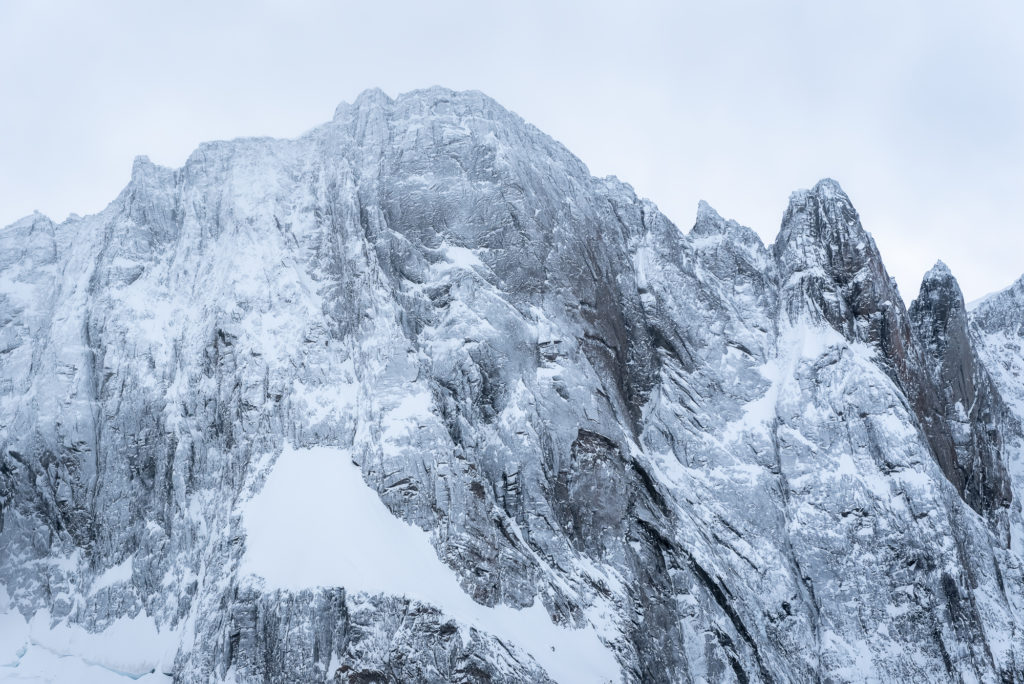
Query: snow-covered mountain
point(414, 397)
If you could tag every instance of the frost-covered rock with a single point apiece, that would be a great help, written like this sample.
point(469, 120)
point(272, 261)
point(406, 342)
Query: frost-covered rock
point(415, 397)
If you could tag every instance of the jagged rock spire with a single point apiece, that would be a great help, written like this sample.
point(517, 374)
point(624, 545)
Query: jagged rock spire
point(969, 401)
point(829, 267)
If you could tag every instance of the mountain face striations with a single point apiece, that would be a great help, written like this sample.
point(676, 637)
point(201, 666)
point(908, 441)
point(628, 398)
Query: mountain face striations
point(414, 397)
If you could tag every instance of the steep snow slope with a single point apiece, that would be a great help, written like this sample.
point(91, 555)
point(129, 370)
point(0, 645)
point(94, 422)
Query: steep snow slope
point(679, 456)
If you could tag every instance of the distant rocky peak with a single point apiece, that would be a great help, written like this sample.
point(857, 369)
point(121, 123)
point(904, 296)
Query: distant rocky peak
point(722, 241)
point(710, 223)
point(141, 165)
point(434, 102)
point(826, 201)
point(939, 286)
point(822, 229)
point(371, 98)
point(938, 307)
point(828, 189)
point(940, 271)
point(35, 221)
point(938, 314)
point(708, 220)
point(829, 267)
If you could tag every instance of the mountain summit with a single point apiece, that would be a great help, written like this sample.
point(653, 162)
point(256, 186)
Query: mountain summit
point(414, 397)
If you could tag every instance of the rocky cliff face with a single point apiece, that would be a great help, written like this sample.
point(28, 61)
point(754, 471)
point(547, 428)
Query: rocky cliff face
point(974, 415)
point(415, 397)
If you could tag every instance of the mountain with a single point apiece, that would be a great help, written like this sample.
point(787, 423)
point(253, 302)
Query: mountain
point(414, 397)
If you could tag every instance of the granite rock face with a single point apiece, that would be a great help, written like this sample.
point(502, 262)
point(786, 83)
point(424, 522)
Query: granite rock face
point(630, 453)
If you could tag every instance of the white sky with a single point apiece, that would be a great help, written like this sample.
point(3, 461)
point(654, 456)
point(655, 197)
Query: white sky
point(915, 107)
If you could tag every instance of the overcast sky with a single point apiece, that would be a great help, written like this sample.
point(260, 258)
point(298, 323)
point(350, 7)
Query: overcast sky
point(916, 108)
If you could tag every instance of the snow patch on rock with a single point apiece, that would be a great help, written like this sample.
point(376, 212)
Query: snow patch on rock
point(315, 523)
